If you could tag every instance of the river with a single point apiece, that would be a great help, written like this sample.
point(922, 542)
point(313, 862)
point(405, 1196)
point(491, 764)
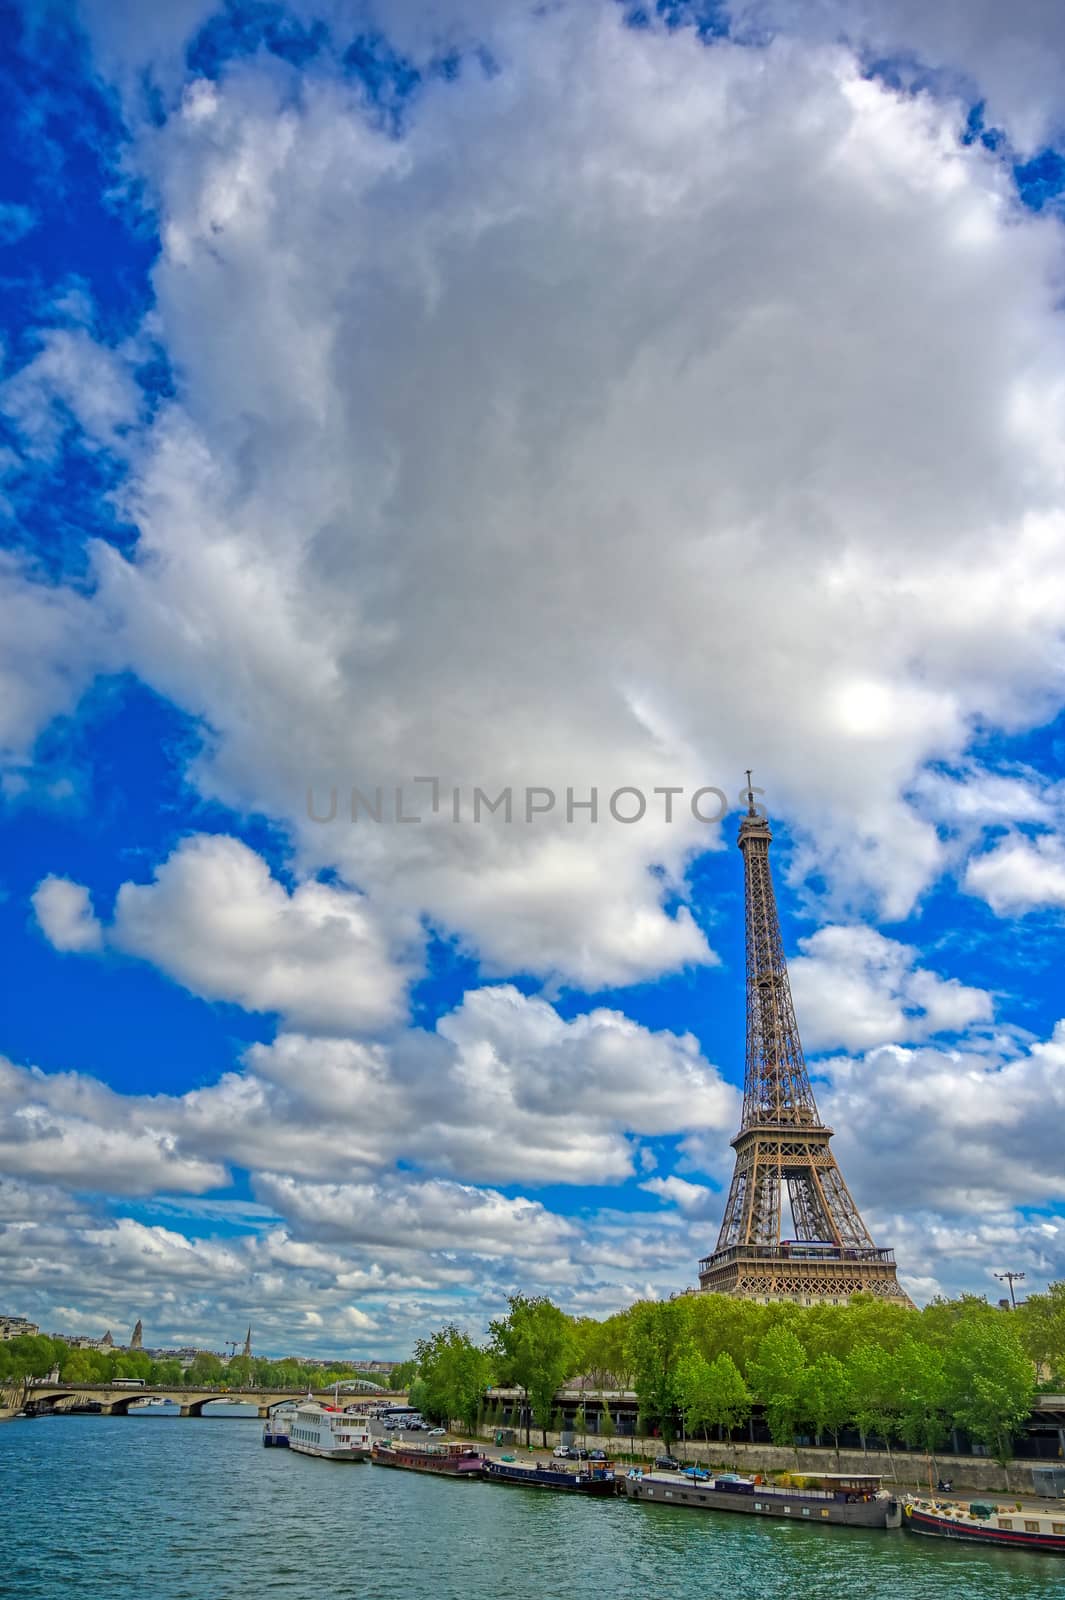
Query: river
point(151, 1507)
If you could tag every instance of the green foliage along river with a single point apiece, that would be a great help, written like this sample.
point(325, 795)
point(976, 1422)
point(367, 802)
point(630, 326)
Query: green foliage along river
point(150, 1506)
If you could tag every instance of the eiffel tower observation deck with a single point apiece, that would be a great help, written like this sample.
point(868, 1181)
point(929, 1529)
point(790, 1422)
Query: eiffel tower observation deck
point(782, 1145)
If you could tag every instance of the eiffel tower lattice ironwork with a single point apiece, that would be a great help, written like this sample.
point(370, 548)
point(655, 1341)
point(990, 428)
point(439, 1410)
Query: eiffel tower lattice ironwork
point(782, 1145)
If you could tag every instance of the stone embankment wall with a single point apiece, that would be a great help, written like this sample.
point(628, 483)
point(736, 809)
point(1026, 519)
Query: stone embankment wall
point(908, 1471)
point(10, 1402)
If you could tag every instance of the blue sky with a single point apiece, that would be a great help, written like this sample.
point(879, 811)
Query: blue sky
point(581, 397)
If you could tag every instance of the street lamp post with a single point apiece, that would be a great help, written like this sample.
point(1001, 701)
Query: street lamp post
point(1011, 1278)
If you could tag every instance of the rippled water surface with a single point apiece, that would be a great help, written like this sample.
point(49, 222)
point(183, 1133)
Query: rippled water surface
point(158, 1508)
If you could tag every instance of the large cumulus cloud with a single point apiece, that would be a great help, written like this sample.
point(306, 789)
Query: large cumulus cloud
point(640, 412)
point(645, 409)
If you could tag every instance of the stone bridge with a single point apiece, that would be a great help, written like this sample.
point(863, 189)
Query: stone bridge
point(115, 1399)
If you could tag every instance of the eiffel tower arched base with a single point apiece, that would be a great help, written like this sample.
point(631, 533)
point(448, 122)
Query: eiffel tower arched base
point(762, 1273)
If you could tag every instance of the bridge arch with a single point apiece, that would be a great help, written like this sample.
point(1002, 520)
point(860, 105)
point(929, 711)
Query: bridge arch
point(119, 1404)
point(202, 1408)
point(49, 1402)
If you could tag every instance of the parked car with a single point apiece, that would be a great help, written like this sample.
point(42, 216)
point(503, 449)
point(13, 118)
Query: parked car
point(561, 1452)
point(667, 1463)
point(438, 1433)
point(597, 1455)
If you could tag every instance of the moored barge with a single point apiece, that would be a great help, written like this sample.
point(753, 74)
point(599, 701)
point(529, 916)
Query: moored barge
point(981, 1522)
point(446, 1460)
point(591, 1478)
point(843, 1499)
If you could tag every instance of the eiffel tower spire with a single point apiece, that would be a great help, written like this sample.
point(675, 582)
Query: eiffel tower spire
point(783, 1146)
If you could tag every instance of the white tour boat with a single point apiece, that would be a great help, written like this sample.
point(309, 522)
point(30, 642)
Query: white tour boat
point(330, 1432)
point(279, 1424)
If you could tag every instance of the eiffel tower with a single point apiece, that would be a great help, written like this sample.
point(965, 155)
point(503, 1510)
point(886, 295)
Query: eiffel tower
point(782, 1142)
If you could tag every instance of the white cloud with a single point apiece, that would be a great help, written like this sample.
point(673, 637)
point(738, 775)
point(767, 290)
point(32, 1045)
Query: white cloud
point(949, 1256)
point(431, 1215)
point(367, 1268)
point(505, 1091)
point(854, 988)
point(433, 368)
point(977, 796)
point(953, 1131)
point(693, 1199)
point(1014, 58)
point(64, 912)
point(52, 642)
point(69, 1129)
point(331, 1130)
point(73, 377)
point(215, 920)
point(1019, 874)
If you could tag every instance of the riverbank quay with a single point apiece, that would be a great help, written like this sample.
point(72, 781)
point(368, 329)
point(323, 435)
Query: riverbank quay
point(907, 1472)
point(582, 1410)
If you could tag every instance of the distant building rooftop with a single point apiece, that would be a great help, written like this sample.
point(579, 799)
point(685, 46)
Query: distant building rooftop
point(12, 1327)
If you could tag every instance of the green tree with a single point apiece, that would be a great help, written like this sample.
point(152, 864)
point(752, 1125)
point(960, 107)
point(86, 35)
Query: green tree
point(607, 1429)
point(205, 1369)
point(28, 1356)
point(940, 1319)
point(919, 1379)
point(83, 1366)
point(720, 1325)
point(453, 1374)
point(580, 1424)
point(131, 1364)
point(730, 1404)
point(835, 1330)
point(535, 1348)
point(695, 1398)
point(778, 1377)
point(990, 1381)
point(1041, 1329)
point(659, 1337)
point(601, 1351)
point(827, 1397)
point(402, 1376)
point(239, 1372)
point(872, 1379)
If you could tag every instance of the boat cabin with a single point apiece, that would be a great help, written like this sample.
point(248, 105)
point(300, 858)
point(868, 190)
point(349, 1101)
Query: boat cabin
point(848, 1487)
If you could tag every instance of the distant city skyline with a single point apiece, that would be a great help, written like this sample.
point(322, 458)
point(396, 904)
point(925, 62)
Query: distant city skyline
point(12, 1327)
point(482, 399)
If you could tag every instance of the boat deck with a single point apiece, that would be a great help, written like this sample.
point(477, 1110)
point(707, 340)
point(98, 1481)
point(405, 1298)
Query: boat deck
point(858, 1508)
